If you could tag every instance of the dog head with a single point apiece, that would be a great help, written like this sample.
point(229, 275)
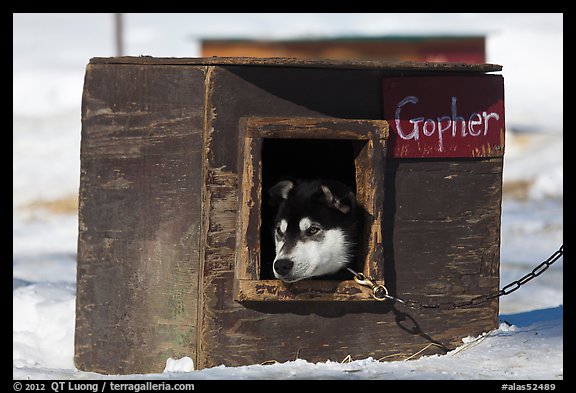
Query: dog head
point(314, 229)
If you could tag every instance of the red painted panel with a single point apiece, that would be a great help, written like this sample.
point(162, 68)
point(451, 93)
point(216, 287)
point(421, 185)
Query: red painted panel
point(445, 116)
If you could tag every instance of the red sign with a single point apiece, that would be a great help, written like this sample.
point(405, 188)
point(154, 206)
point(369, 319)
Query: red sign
point(445, 116)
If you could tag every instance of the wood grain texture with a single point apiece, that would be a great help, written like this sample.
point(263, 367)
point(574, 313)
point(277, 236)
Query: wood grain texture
point(388, 66)
point(139, 217)
point(443, 225)
point(311, 290)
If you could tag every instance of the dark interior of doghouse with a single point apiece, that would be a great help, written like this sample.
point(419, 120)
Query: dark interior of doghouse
point(302, 159)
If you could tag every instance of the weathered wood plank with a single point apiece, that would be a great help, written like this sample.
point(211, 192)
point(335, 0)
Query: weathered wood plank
point(443, 225)
point(315, 128)
point(139, 217)
point(312, 290)
point(398, 66)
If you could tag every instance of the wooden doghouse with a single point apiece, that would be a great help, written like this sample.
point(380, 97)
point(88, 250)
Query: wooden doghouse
point(174, 248)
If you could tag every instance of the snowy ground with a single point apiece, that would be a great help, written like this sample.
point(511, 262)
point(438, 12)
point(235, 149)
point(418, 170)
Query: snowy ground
point(47, 84)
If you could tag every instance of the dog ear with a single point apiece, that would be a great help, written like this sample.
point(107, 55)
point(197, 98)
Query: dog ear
point(280, 191)
point(342, 199)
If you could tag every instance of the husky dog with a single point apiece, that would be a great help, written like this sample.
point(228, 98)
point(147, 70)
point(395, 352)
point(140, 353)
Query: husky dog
point(314, 229)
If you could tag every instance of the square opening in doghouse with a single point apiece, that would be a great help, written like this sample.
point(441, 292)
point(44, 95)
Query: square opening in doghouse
point(305, 160)
point(274, 149)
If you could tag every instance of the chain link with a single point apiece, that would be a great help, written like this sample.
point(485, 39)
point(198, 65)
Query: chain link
point(379, 291)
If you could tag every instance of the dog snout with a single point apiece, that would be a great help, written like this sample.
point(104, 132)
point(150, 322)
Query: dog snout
point(283, 266)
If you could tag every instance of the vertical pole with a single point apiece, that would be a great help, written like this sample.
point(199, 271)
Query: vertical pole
point(118, 36)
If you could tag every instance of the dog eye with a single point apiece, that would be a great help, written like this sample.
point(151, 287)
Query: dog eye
point(279, 231)
point(312, 230)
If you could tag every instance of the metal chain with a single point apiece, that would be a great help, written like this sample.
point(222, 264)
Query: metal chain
point(380, 292)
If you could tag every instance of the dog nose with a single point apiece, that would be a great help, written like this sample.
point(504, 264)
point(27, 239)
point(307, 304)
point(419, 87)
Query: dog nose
point(283, 266)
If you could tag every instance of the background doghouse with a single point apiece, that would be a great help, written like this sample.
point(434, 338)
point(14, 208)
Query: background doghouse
point(173, 249)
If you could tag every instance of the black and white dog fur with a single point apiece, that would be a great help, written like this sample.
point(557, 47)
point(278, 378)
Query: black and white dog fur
point(315, 228)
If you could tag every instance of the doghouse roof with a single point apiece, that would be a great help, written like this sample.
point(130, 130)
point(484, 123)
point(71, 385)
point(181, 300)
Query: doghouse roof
point(396, 66)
